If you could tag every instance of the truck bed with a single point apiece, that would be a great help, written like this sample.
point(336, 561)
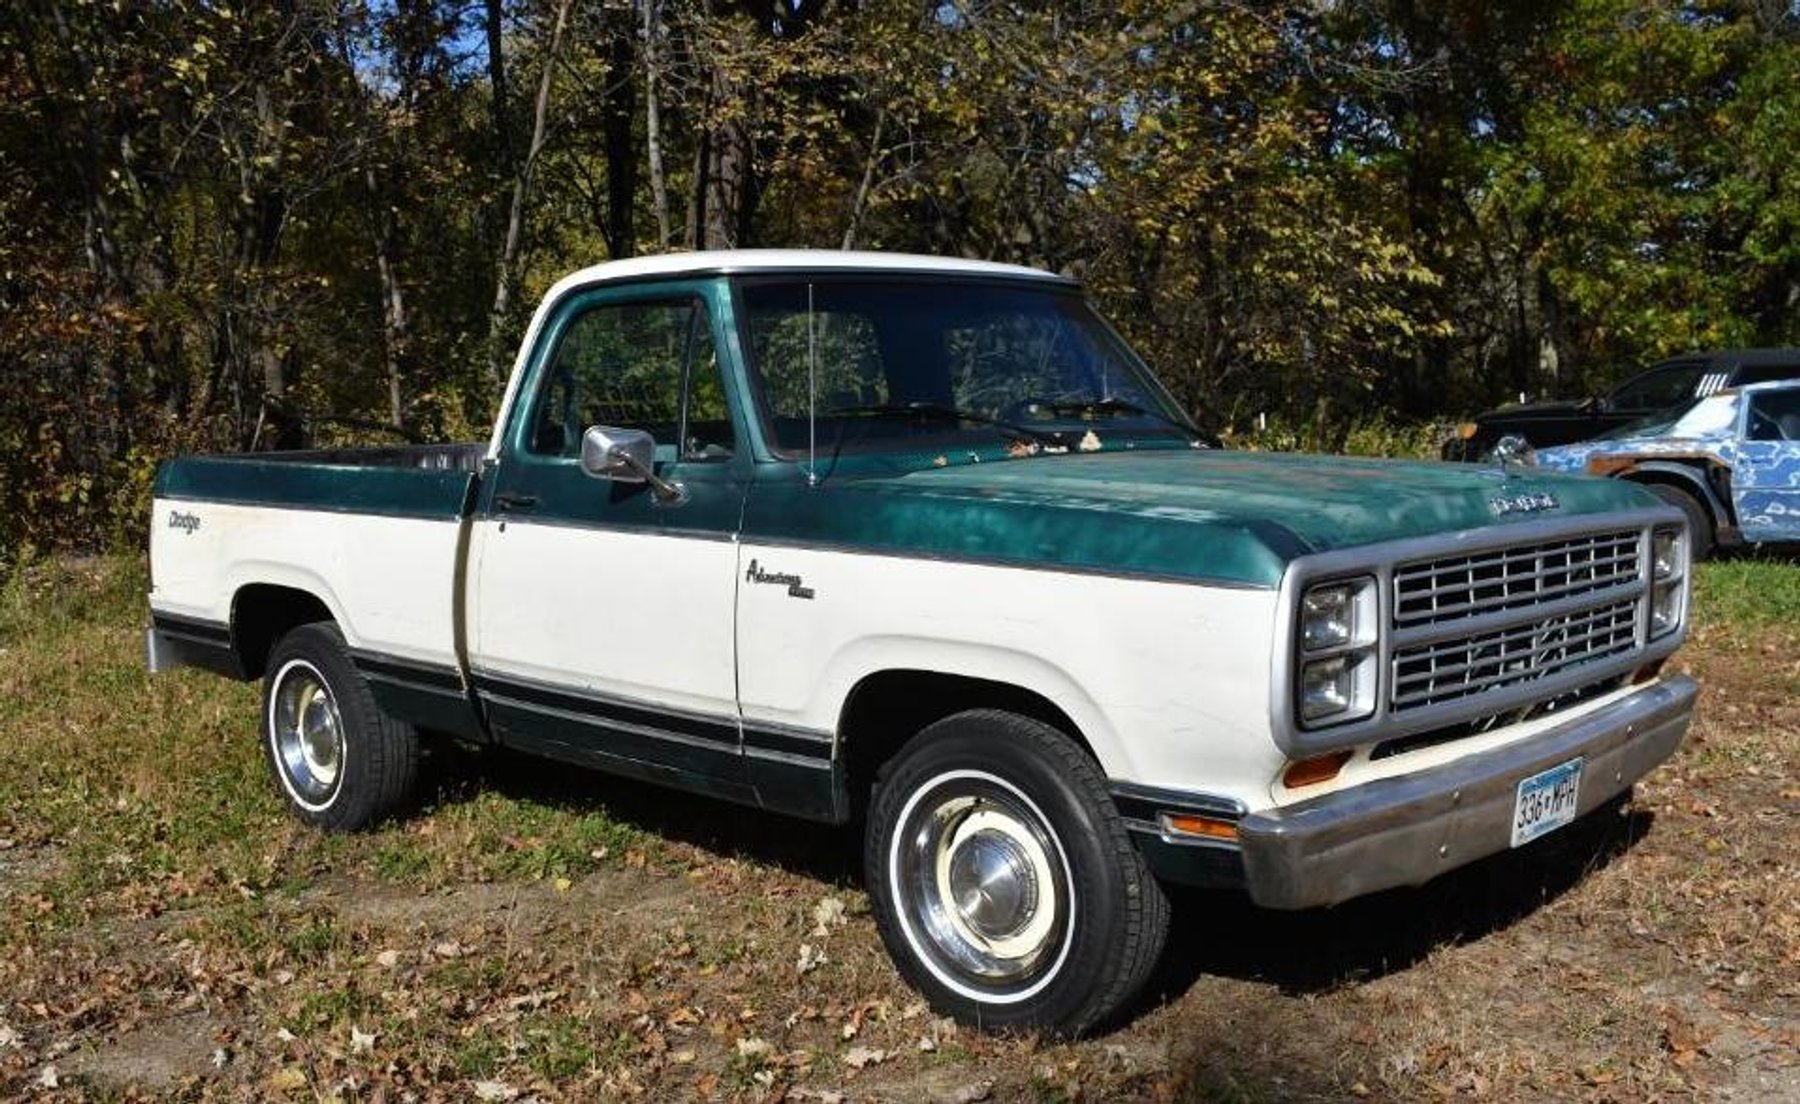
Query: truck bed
point(402, 481)
point(371, 534)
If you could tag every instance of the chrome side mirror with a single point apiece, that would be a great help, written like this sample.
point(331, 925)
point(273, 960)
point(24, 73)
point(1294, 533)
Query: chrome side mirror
point(627, 456)
point(623, 455)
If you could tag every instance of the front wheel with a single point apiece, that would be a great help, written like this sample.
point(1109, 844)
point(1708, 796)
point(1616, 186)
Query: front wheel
point(1005, 885)
point(340, 761)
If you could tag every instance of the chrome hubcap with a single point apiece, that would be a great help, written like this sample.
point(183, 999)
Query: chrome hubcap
point(307, 732)
point(983, 885)
point(993, 884)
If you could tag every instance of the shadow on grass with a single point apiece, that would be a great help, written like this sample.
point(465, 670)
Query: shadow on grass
point(1213, 933)
point(1318, 950)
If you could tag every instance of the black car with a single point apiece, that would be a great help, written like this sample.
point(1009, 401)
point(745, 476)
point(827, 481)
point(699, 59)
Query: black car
point(1665, 384)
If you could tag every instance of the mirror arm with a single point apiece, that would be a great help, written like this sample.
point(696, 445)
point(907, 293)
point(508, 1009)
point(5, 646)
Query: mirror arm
point(667, 492)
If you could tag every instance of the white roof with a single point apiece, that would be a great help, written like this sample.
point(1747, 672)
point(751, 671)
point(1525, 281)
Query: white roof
point(776, 260)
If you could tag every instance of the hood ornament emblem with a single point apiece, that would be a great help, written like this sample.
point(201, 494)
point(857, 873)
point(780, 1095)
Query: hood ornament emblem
point(1510, 451)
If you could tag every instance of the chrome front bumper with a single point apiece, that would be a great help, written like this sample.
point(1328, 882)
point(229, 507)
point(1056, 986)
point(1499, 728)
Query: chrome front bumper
point(1409, 829)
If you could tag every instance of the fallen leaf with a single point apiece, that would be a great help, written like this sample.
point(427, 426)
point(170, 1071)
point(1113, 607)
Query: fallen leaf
point(827, 914)
point(969, 1094)
point(288, 1079)
point(754, 1048)
point(388, 959)
point(48, 1079)
point(494, 1091)
point(361, 1042)
point(811, 958)
point(859, 1056)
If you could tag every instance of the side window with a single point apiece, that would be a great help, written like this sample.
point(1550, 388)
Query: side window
point(1775, 416)
point(1658, 389)
point(649, 366)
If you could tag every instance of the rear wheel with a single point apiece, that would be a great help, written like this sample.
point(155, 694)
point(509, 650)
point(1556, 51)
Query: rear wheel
point(1700, 523)
point(340, 762)
point(1005, 885)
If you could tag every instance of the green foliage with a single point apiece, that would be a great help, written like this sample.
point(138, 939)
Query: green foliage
point(265, 226)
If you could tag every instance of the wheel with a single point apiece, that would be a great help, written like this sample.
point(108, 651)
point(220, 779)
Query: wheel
point(340, 762)
point(1700, 524)
point(1005, 886)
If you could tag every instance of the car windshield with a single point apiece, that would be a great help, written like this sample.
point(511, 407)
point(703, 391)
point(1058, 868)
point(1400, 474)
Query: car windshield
point(1706, 417)
point(906, 364)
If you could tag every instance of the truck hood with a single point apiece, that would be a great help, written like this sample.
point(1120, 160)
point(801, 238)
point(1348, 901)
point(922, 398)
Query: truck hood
point(1224, 516)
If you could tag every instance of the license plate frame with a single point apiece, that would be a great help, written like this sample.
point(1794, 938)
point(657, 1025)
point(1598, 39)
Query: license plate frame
point(1546, 801)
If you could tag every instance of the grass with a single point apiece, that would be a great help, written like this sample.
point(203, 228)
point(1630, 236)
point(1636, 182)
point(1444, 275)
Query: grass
point(572, 938)
point(1748, 593)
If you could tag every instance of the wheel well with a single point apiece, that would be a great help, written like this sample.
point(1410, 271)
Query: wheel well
point(261, 614)
point(888, 708)
point(1696, 486)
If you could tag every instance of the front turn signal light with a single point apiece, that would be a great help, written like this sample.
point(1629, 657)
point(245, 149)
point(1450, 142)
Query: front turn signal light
point(1311, 772)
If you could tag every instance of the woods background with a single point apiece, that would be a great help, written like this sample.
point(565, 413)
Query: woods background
point(231, 227)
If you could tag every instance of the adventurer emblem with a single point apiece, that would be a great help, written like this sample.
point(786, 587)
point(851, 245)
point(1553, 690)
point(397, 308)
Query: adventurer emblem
point(1528, 503)
point(777, 578)
point(187, 523)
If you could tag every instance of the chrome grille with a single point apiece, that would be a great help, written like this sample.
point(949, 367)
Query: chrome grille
point(1446, 670)
point(1468, 624)
point(1456, 587)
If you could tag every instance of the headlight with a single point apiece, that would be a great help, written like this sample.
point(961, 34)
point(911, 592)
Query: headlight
point(1668, 579)
point(1325, 688)
point(1333, 615)
point(1666, 553)
point(1336, 637)
point(1327, 617)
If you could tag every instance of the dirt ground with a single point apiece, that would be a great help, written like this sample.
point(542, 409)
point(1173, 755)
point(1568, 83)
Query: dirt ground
point(698, 951)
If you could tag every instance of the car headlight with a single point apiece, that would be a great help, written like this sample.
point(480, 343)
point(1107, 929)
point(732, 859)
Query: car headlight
point(1668, 579)
point(1667, 551)
point(1336, 636)
point(1327, 617)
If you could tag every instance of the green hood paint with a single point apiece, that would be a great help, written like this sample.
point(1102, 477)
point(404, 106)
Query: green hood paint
point(1230, 517)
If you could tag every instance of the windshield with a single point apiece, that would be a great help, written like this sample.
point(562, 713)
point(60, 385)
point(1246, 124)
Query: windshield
point(891, 364)
point(1708, 417)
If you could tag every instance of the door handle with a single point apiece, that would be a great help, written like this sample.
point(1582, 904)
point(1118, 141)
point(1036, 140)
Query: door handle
point(509, 500)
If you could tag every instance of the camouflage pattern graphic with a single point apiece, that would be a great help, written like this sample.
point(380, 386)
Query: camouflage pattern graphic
point(1764, 472)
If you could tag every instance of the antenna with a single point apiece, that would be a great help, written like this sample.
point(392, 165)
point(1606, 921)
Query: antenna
point(812, 394)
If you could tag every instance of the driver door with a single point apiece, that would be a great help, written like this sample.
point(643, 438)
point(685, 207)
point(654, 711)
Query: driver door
point(600, 617)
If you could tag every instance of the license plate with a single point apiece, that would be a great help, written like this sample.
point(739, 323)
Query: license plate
point(1546, 801)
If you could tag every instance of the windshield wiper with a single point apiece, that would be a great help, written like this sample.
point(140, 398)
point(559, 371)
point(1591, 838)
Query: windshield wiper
point(1083, 407)
point(939, 412)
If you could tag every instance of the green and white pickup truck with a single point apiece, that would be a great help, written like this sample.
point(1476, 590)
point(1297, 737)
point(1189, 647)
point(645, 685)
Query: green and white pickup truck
point(918, 543)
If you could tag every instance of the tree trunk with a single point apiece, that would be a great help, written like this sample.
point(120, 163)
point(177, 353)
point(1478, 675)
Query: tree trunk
point(393, 301)
point(728, 184)
point(508, 259)
point(659, 188)
point(497, 106)
point(621, 149)
point(868, 179)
